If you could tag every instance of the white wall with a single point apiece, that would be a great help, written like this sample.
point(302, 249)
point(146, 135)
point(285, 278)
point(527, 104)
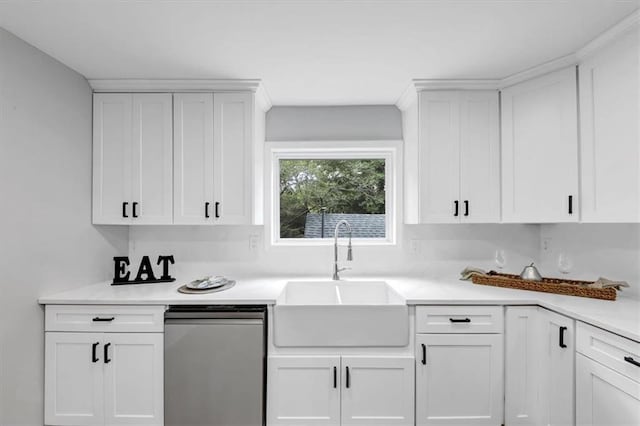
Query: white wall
point(47, 242)
point(595, 250)
point(422, 249)
point(325, 123)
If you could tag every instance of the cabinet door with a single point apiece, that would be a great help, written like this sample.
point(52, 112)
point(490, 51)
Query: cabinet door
point(133, 375)
point(152, 156)
point(479, 157)
point(193, 158)
point(605, 397)
point(377, 390)
point(439, 157)
point(459, 379)
point(540, 150)
point(609, 133)
point(233, 177)
point(522, 365)
point(73, 392)
point(557, 378)
point(303, 390)
point(112, 158)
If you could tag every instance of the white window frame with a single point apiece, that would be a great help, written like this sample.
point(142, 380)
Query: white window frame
point(339, 150)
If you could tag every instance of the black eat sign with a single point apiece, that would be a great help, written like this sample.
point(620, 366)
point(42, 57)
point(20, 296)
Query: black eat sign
point(145, 271)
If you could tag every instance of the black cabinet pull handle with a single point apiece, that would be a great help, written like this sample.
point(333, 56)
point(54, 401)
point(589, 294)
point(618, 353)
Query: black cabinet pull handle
point(455, 204)
point(94, 357)
point(466, 207)
point(561, 337)
point(460, 320)
point(217, 209)
point(570, 204)
point(335, 377)
point(135, 213)
point(100, 319)
point(124, 209)
point(632, 361)
point(106, 353)
point(206, 210)
point(424, 354)
point(348, 379)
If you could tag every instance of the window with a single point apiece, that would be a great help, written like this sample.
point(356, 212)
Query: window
point(314, 186)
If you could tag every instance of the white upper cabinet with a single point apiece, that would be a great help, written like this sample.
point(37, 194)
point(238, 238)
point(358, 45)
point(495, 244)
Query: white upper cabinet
point(193, 155)
point(540, 150)
point(609, 132)
point(458, 157)
point(112, 135)
point(232, 123)
point(213, 158)
point(132, 158)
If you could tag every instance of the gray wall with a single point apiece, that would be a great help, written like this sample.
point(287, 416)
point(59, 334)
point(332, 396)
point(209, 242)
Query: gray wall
point(326, 123)
point(47, 242)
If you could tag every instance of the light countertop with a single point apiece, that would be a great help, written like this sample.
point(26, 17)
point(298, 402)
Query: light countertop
point(621, 316)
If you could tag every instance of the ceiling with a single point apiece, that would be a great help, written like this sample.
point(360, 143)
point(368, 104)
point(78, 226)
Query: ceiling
point(310, 52)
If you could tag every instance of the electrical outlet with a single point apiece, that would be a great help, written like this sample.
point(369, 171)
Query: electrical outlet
point(546, 244)
point(254, 240)
point(414, 246)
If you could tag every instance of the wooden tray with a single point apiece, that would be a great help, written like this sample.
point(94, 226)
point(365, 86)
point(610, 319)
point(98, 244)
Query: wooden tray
point(547, 285)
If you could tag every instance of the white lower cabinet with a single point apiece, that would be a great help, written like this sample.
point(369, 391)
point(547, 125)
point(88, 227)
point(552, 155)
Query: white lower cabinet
point(334, 390)
point(557, 375)
point(607, 378)
point(459, 379)
point(605, 397)
point(539, 373)
point(103, 378)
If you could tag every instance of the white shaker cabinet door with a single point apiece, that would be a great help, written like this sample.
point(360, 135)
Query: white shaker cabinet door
point(303, 390)
point(610, 134)
point(522, 365)
point(193, 158)
point(133, 376)
point(479, 157)
point(605, 397)
point(459, 379)
point(439, 157)
point(112, 167)
point(233, 176)
point(540, 150)
point(557, 394)
point(152, 157)
point(73, 379)
point(377, 391)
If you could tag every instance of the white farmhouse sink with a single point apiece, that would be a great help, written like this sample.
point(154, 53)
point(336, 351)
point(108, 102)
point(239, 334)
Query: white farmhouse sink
point(340, 313)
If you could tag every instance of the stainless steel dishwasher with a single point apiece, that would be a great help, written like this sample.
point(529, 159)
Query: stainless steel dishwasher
point(214, 371)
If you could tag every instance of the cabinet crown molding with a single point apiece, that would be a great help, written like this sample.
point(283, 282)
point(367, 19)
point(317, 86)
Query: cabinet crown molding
point(629, 23)
point(187, 85)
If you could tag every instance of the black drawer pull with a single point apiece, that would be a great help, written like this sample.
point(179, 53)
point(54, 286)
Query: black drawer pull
point(348, 378)
point(100, 319)
point(135, 212)
point(206, 209)
point(561, 337)
point(454, 320)
point(335, 377)
point(570, 204)
point(106, 353)
point(217, 209)
point(455, 206)
point(632, 361)
point(424, 354)
point(466, 207)
point(124, 209)
point(94, 357)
